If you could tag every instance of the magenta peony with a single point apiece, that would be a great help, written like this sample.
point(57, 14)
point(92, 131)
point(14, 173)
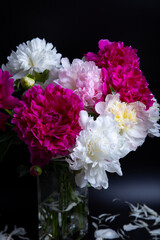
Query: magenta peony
point(129, 83)
point(7, 101)
point(121, 72)
point(112, 54)
point(47, 121)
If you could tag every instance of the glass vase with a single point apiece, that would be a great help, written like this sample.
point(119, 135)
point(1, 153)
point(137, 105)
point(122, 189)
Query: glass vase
point(62, 206)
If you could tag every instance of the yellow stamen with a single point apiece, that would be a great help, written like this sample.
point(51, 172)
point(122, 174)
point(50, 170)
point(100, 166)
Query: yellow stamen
point(124, 114)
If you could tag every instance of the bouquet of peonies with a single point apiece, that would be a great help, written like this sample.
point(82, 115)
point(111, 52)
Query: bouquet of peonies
point(93, 111)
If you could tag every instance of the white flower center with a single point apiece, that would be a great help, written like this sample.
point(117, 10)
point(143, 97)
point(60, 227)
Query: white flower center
point(95, 150)
point(92, 148)
point(124, 114)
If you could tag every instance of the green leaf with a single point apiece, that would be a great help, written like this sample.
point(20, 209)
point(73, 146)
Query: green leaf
point(112, 90)
point(94, 115)
point(30, 75)
point(17, 84)
point(41, 77)
point(10, 112)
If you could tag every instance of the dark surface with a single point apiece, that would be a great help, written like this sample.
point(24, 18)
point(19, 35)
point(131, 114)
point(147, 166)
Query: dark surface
point(18, 195)
point(75, 27)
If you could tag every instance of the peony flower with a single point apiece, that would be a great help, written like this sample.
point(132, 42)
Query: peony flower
point(84, 78)
point(35, 55)
point(98, 149)
point(152, 116)
point(113, 54)
point(130, 84)
point(132, 119)
point(7, 101)
point(47, 121)
point(120, 72)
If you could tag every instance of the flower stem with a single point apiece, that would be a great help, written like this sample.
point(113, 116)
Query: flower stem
point(9, 124)
point(9, 112)
point(65, 212)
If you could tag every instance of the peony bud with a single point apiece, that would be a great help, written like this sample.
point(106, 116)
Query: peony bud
point(35, 170)
point(27, 81)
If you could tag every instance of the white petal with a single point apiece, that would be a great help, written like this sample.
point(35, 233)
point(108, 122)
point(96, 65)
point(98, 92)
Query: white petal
point(95, 225)
point(106, 234)
point(65, 63)
point(155, 232)
point(150, 210)
point(111, 218)
point(80, 179)
point(157, 220)
point(114, 167)
point(3, 237)
point(83, 120)
point(130, 227)
point(104, 215)
point(100, 107)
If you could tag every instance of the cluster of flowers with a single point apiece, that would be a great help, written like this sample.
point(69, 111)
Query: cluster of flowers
point(94, 110)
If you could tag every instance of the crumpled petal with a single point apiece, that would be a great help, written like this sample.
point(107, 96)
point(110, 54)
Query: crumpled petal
point(106, 234)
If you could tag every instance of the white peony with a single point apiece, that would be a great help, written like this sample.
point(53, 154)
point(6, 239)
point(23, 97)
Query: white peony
point(152, 120)
point(132, 119)
point(98, 149)
point(33, 55)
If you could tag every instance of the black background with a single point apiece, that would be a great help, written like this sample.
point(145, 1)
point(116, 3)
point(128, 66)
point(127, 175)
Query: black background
point(75, 27)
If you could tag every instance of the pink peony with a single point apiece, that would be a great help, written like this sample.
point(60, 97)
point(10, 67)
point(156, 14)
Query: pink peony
point(129, 83)
point(84, 78)
point(7, 101)
point(47, 121)
point(112, 54)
